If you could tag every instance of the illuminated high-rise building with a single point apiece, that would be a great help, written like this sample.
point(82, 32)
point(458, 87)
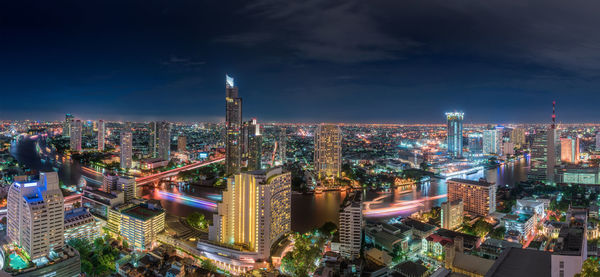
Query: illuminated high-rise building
point(126, 149)
point(452, 214)
point(181, 143)
point(35, 215)
point(479, 197)
point(113, 182)
point(152, 140)
point(138, 224)
point(569, 150)
point(517, 136)
point(475, 143)
point(233, 127)
point(101, 135)
point(252, 144)
point(328, 151)
point(163, 143)
point(598, 141)
point(492, 141)
point(67, 125)
point(254, 214)
point(351, 225)
point(544, 149)
point(282, 145)
point(455, 134)
point(75, 138)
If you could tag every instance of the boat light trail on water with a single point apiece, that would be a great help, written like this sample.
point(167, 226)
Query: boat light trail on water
point(189, 201)
point(396, 208)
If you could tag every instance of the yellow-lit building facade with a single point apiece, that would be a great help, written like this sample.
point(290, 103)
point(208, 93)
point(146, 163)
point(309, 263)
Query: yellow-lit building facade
point(479, 197)
point(138, 224)
point(328, 151)
point(255, 211)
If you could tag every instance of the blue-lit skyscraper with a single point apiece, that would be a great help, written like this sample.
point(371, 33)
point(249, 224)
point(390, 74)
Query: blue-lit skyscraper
point(455, 134)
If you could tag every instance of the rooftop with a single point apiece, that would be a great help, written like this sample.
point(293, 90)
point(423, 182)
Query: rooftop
point(142, 212)
point(479, 182)
point(518, 261)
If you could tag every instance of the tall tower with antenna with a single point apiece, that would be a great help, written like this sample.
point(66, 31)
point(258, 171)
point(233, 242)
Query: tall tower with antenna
point(553, 114)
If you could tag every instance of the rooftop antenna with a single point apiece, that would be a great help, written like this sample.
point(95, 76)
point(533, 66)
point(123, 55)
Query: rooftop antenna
point(553, 114)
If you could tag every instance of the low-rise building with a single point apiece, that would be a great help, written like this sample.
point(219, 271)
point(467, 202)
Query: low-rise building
point(519, 226)
point(389, 237)
point(492, 248)
point(79, 223)
point(420, 229)
point(138, 224)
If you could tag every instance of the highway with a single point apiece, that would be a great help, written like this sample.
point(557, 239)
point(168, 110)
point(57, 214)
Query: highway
point(170, 173)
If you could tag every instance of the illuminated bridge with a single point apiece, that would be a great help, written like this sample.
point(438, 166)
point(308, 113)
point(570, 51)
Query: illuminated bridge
point(173, 172)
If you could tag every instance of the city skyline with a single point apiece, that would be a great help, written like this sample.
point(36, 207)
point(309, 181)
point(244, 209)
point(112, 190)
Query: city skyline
point(341, 62)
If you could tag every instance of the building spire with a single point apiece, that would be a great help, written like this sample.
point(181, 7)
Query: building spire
point(553, 114)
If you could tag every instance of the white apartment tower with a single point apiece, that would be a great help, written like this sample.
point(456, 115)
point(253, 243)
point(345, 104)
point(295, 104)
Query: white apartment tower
point(351, 222)
point(35, 215)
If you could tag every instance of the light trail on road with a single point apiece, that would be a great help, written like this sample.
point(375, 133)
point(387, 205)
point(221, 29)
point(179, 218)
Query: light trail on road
point(395, 208)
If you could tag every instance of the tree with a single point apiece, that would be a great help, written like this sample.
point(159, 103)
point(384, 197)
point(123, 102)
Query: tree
point(125, 244)
point(197, 220)
point(498, 233)
point(328, 228)
point(590, 268)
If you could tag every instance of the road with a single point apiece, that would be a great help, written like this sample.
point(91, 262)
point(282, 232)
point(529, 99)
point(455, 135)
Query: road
point(173, 172)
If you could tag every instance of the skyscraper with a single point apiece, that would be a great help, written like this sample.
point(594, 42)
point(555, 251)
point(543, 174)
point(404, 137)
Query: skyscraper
point(254, 214)
point(126, 149)
point(152, 140)
point(75, 138)
point(233, 126)
point(67, 125)
point(283, 145)
point(517, 136)
point(351, 223)
point(181, 144)
point(475, 141)
point(492, 142)
point(35, 215)
point(598, 141)
point(455, 134)
point(544, 152)
point(252, 144)
point(569, 150)
point(101, 134)
point(328, 151)
point(163, 144)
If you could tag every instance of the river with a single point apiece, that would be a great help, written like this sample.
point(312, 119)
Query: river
point(308, 211)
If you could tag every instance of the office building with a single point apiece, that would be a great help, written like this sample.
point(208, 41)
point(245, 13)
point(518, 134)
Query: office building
point(508, 148)
point(517, 136)
point(254, 214)
point(152, 153)
point(328, 151)
point(451, 214)
point(479, 197)
point(163, 143)
point(75, 135)
point(543, 155)
point(81, 224)
point(475, 143)
point(282, 145)
point(99, 202)
point(598, 141)
point(569, 150)
point(126, 150)
point(492, 142)
point(233, 128)
point(351, 223)
point(455, 134)
point(35, 215)
point(181, 144)
point(252, 145)
point(112, 182)
point(101, 135)
point(139, 224)
point(67, 125)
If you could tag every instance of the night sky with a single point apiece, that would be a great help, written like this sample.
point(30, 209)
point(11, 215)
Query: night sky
point(371, 61)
